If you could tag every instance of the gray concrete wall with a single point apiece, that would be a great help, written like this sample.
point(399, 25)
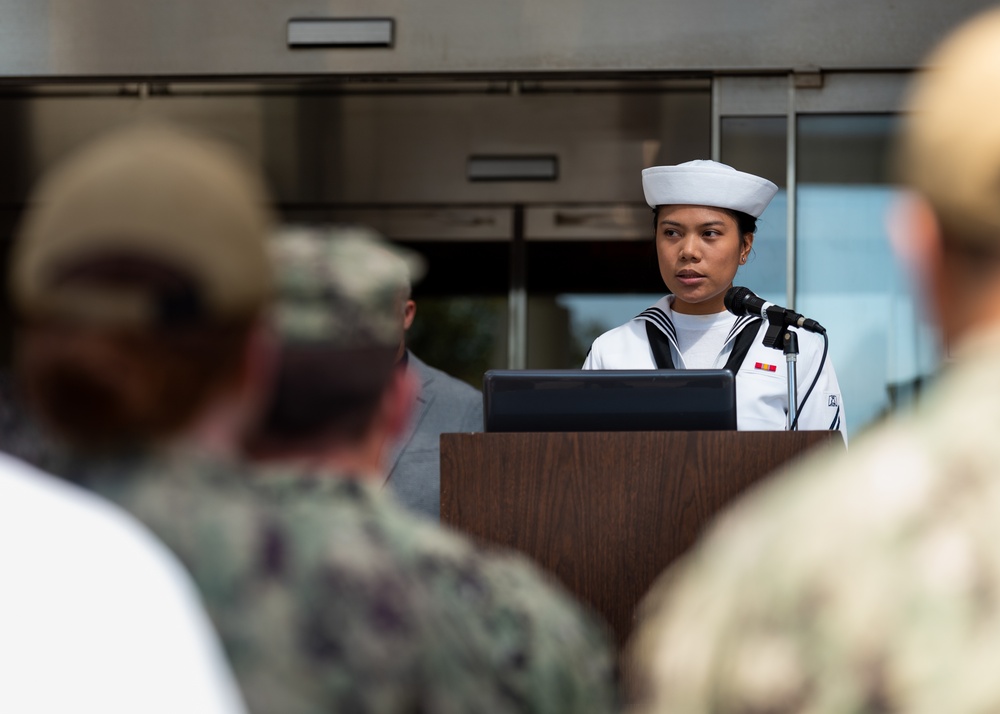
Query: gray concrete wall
point(248, 38)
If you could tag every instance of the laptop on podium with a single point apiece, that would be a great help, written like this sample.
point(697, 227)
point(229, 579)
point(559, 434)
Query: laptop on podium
point(609, 400)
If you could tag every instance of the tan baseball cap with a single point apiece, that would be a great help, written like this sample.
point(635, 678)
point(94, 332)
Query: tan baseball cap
point(950, 147)
point(153, 197)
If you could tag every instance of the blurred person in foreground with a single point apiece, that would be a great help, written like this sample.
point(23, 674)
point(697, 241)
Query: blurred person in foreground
point(20, 435)
point(340, 399)
point(143, 282)
point(95, 614)
point(445, 405)
point(870, 582)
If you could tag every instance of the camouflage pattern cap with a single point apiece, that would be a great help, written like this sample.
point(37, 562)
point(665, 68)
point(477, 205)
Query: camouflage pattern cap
point(950, 152)
point(343, 285)
point(104, 227)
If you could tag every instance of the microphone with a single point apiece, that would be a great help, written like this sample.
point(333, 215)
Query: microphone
point(741, 301)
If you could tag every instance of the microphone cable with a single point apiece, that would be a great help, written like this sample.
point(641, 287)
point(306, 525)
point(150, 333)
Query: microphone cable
point(822, 362)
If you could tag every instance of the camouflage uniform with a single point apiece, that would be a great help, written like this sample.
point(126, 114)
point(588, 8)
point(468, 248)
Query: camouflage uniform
point(866, 582)
point(476, 629)
point(870, 581)
point(329, 597)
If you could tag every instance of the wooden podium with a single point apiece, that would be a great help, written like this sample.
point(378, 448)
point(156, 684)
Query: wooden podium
point(605, 512)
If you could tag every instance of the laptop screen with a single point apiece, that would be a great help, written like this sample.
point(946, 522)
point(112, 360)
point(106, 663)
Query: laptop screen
point(609, 400)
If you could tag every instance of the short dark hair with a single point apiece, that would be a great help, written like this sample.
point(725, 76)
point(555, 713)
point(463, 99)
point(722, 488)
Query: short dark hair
point(322, 394)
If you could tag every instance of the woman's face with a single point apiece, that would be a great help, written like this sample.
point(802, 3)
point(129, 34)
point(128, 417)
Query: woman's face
point(699, 249)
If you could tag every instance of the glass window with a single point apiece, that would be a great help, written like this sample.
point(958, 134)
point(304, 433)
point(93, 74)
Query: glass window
point(847, 276)
point(463, 335)
point(461, 322)
point(580, 289)
point(758, 145)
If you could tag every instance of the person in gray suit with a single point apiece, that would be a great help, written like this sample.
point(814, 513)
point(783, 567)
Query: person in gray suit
point(445, 405)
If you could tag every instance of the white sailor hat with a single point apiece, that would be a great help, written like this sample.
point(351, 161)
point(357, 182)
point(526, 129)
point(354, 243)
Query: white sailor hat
point(707, 183)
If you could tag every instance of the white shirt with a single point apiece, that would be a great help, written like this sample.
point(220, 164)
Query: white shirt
point(761, 382)
point(95, 614)
point(701, 338)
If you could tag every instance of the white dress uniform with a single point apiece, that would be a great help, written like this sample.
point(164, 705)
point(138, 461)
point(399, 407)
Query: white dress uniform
point(761, 381)
point(684, 341)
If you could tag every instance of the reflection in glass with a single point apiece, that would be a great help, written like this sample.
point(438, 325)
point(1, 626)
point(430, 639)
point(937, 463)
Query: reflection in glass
point(580, 289)
point(758, 145)
point(463, 335)
point(848, 278)
point(461, 321)
point(590, 316)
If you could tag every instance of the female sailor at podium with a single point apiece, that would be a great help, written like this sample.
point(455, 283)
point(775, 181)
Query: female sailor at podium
point(705, 219)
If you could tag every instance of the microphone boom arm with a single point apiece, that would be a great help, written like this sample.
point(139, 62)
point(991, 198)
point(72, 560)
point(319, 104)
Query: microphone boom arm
point(741, 301)
point(778, 336)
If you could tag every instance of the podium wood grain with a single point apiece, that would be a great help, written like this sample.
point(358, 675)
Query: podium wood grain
point(605, 512)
